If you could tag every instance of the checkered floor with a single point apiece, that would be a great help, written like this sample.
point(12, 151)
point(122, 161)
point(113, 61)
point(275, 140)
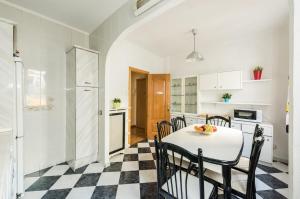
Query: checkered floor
point(130, 175)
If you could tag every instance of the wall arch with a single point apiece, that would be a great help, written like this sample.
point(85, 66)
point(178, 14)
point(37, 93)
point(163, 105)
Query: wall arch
point(107, 35)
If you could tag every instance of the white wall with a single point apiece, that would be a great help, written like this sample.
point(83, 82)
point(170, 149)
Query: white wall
point(266, 48)
point(123, 55)
point(43, 45)
point(116, 27)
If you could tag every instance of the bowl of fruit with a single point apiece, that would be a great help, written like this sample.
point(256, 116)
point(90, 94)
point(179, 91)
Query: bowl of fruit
point(206, 129)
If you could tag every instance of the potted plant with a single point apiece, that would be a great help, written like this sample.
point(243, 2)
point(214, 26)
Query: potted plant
point(257, 72)
point(116, 103)
point(226, 97)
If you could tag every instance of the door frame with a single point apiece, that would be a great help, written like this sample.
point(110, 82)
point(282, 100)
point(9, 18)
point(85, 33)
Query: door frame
point(143, 72)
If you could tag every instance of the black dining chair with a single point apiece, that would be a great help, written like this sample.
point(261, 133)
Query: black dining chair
point(179, 123)
point(175, 182)
point(164, 128)
point(242, 188)
point(218, 121)
point(244, 162)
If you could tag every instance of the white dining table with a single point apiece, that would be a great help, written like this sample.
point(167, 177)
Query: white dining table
point(223, 147)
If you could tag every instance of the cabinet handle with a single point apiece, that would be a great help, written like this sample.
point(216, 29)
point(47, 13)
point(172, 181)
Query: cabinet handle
point(87, 82)
point(87, 90)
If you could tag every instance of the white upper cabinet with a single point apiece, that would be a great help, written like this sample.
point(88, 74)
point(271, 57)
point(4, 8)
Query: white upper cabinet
point(208, 81)
point(86, 68)
point(221, 81)
point(230, 80)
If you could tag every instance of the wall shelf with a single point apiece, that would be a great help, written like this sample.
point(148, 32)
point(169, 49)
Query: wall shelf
point(257, 81)
point(237, 103)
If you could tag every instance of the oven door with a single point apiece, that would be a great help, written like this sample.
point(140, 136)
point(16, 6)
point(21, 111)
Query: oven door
point(248, 115)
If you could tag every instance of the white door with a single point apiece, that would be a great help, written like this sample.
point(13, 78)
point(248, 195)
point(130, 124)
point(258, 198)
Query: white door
point(86, 68)
point(230, 80)
point(86, 121)
point(208, 81)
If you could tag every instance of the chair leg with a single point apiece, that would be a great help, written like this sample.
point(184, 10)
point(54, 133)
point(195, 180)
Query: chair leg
point(254, 189)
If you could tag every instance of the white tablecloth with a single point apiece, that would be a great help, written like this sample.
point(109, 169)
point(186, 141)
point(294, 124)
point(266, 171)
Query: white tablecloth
point(223, 145)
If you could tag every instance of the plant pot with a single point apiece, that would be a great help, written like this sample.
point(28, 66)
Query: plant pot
point(257, 75)
point(116, 105)
point(226, 100)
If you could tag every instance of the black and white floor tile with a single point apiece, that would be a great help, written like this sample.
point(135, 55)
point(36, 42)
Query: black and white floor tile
point(131, 175)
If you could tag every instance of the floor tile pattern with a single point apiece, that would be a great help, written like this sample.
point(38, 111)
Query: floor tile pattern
point(131, 175)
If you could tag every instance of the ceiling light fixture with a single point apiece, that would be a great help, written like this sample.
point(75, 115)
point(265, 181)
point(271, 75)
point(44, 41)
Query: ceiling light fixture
point(194, 56)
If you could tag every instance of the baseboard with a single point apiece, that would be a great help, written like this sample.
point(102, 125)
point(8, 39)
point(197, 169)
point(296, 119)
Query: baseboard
point(285, 161)
point(75, 164)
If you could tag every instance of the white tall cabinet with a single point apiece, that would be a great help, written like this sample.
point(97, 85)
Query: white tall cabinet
point(82, 106)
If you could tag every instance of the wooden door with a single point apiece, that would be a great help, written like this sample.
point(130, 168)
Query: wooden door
point(158, 101)
point(141, 103)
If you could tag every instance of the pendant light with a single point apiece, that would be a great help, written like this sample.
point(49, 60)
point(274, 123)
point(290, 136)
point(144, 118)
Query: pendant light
point(194, 56)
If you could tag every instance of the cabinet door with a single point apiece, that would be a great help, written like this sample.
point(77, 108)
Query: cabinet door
point(267, 150)
point(237, 126)
point(230, 80)
point(86, 68)
point(86, 121)
point(247, 144)
point(116, 132)
point(208, 81)
point(176, 95)
point(201, 121)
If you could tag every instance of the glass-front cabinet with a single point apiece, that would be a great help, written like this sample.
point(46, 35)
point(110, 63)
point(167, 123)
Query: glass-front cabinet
point(176, 95)
point(184, 95)
point(190, 94)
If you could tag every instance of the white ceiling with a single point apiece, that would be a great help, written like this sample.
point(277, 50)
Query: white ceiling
point(216, 20)
point(85, 15)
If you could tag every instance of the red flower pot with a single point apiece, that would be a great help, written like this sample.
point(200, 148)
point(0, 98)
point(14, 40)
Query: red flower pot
point(257, 74)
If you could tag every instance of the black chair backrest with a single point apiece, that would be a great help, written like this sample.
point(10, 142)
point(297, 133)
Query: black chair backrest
point(175, 176)
point(257, 146)
point(179, 123)
point(218, 120)
point(164, 128)
point(258, 133)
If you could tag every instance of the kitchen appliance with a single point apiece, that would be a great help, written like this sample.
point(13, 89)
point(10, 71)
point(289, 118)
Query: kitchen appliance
point(248, 115)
